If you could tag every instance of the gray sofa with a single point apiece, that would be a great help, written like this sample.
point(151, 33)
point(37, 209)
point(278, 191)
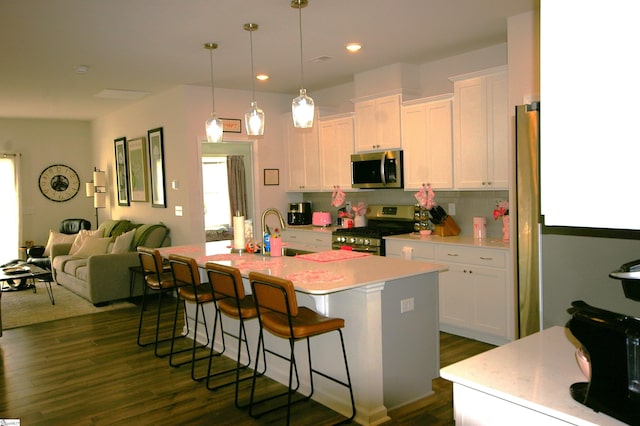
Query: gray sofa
point(102, 278)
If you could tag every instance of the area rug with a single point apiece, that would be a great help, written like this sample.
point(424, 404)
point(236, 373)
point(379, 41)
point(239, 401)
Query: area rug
point(20, 308)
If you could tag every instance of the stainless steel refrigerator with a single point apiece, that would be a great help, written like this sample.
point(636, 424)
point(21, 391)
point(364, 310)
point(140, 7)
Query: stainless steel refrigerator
point(528, 218)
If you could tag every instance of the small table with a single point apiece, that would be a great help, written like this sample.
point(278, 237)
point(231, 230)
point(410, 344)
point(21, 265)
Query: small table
point(31, 272)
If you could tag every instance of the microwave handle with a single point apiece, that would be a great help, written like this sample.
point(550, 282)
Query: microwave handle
point(383, 172)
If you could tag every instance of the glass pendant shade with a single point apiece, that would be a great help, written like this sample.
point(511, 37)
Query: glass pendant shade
point(254, 120)
point(214, 129)
point(302, 109)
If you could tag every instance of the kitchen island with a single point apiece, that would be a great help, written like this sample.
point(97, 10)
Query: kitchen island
point(390, 308)
point(525, 382)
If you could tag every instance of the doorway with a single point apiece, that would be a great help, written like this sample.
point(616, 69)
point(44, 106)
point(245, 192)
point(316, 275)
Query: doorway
point(217, 203)
point(10, 212)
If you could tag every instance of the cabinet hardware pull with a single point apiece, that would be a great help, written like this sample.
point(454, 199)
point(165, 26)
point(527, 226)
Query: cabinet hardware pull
point(486, 258)
point(452, 254)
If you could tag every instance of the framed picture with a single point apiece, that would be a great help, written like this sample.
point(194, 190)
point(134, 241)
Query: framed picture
point(156, 168)
point(272, 176)
point(137, 153)
point(122, 179)
point(231, 125)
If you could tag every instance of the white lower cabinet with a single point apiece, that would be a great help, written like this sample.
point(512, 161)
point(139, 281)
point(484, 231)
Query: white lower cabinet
point(475, 294)
point(308, 239)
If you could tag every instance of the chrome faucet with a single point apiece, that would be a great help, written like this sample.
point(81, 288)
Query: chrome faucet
point(277, 213)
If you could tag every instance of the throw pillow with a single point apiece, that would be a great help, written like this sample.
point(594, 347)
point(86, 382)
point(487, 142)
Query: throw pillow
point(123, 242)
point(92, 246)
point(80, 237)
point(57, 238)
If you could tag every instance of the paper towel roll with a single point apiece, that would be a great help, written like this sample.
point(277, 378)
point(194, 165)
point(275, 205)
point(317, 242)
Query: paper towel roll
point(407, 253)
point(238, 232)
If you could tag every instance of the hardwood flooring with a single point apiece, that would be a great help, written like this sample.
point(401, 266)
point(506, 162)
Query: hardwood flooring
point(88, 370)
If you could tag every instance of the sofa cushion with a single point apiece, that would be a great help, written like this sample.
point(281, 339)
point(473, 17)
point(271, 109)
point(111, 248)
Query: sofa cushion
point(81, 237)
point(115, 227)
point(57, 238)
point(122, 244)
point(149, 235)
point(92, 246)
point(72, 264)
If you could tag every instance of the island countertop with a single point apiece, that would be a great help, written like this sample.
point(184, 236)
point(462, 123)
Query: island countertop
point(318, 273)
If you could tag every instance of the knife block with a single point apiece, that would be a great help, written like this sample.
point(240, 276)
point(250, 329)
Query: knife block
point(447, 228)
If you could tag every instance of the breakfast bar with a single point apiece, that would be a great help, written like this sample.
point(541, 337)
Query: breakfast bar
point(390, 308)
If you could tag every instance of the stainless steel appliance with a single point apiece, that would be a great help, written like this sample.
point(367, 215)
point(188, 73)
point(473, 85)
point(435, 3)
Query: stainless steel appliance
point(299, 214)
point(611, 342)
point(382, 220)
point(527, 214)
point(377, 170)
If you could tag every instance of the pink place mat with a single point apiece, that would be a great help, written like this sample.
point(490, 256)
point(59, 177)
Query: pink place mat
point(217, 257)
point(258, 265)
point(332, 255)
point(313, 277)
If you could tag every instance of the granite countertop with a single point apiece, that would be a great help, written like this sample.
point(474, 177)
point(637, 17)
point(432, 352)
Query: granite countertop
point(534, 372)
point(320, 273)
point(455, 240)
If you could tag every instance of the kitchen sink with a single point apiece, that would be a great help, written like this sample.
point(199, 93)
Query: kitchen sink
point(292, 252)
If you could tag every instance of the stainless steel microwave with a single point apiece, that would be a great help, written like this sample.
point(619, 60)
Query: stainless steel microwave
point(377, 170)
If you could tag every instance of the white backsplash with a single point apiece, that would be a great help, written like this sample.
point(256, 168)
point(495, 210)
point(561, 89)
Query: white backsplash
point(468, 204)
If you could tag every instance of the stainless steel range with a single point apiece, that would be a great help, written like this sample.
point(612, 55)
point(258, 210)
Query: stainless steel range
point(382, 220)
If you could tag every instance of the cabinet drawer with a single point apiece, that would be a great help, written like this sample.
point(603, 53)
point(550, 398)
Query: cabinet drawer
point(420, 251)
point(318, 240)
point(471, 256)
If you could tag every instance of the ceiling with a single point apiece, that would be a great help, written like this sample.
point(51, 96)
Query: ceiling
point(154, 45)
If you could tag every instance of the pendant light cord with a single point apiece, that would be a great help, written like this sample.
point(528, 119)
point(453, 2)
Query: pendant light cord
point(301, 60)
point(253, 83)
point(213, 99)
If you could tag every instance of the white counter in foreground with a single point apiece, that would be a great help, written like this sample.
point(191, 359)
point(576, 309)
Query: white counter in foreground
point(525, 382)
point(393, 352)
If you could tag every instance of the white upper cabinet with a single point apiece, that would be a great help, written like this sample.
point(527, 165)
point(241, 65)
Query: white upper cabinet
point(336, 147)
point(377, 123)
point(427, 143)
point(302, 150)
point(480, 130)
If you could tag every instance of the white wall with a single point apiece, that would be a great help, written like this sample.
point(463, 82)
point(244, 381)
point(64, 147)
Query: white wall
point(43, 143)
point(182, 112)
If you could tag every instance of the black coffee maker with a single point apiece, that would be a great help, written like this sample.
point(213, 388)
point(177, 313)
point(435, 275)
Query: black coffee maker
point(611, 342)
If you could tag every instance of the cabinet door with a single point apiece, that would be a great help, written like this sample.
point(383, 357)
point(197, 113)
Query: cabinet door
point(336, 147)
point(490, 296)
point(302, 157)
point(427, 144)
point(481, 132)
point(456, 297)
point(377, 124)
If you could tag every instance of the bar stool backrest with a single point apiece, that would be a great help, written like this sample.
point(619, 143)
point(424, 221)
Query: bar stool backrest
point(150, 260)
point(274, 293)
point(185, 270)
point(225, 280)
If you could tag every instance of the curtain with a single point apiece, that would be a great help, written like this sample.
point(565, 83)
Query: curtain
point(237, 185)
point(10, 211)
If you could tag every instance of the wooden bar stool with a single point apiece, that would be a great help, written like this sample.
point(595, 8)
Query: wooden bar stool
point(156, 279)
point(192, 290)
point(279, 314)
point(230, 299)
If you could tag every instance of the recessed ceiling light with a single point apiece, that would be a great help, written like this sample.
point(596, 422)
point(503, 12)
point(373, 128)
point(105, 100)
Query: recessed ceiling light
point(353, 47)
point(81, 69)
point(262, 77)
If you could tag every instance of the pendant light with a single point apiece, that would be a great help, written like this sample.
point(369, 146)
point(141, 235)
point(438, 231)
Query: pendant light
point(254, 118)
point(302, 107)
point(214, 124)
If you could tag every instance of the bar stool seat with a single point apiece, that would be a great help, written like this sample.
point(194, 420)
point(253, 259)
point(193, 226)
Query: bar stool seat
point(280, 315)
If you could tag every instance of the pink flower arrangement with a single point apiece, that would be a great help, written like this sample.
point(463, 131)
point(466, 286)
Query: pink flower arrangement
point(360, 209)
point(502, 209)
point(345, 214)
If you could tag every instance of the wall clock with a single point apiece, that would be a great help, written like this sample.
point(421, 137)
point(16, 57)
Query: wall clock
point(59, 183)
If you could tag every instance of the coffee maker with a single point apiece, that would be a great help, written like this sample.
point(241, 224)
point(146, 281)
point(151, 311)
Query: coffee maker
point(611, 342)
point(299, 214)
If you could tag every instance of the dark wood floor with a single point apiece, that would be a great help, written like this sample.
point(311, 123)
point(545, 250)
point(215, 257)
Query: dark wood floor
point(89, 371)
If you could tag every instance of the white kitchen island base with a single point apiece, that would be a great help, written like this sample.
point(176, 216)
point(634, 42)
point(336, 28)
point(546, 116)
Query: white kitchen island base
point(390, 308)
